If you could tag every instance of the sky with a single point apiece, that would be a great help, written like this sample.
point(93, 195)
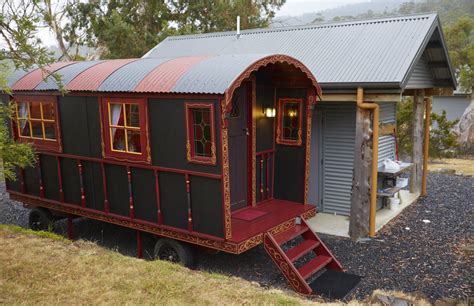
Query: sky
point(299, 7)
point(290, 8)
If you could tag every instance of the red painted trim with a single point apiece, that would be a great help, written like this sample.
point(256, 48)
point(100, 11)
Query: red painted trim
point(81, 184)
point(261, 177)
point(99, 215)
point(164, 77)
point(280, 116)
point(130, 193)
point(112, 162)
point(104, 184)
point(139, 245)
point(144, 156)
point(60, 179)
point(158, 198)
point(267, 175)
point(190, 154)
point(188, 197)
point(40, 144)
point(272, 59)
point(250, 159)
point(40, 177)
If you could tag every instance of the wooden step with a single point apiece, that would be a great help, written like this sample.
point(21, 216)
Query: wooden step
point(314, 266)
point(291, 234)
point(298, 251)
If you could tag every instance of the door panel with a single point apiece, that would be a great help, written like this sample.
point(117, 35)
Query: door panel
point(316, 173)
point(238, 134)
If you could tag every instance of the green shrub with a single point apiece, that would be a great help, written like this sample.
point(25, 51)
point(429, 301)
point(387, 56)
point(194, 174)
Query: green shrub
point(442, 141)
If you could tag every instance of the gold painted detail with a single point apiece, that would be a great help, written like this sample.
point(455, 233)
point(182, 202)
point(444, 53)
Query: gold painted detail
point(188, 150)
point(288, 270)
point(249, 243)
point(282, 227)
point(213, 244)
point(309, 214)
point(226, 182)
point(213, 151)
point(308, 152)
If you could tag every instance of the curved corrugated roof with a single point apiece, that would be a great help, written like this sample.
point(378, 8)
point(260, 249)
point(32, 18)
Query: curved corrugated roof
point(191, 74)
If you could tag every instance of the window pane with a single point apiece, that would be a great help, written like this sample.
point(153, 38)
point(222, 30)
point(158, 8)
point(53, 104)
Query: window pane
point(24, 128)
point(201, 122)
point(116, 114)
point(49, 130)
point(197, 117)
point(37, 129)
point(134, 144)
point(22, 110)
point(291, 119)
point(133, 115)
point(35, 110)
point(198, 148)
point(48, 111)
point(118, 139)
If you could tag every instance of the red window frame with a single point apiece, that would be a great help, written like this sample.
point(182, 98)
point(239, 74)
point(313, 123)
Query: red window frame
point(190, 137)
point(42, 144)
point(124, 155)
point(280, 139)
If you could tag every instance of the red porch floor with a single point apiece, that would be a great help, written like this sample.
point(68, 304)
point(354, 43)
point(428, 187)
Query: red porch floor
point(267, 215)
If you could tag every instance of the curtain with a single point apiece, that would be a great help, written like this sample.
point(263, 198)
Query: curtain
point(116, 110)
point(23, 113)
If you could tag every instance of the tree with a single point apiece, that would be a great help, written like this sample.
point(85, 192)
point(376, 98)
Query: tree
point(22, 50)
point(460, 40)
point(120, 28)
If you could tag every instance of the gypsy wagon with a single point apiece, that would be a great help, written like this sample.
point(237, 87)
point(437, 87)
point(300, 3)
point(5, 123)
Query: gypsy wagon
point(211, 151)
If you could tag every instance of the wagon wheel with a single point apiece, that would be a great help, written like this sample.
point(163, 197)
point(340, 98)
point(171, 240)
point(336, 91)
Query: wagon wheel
point(41, 219)
point(174, 251)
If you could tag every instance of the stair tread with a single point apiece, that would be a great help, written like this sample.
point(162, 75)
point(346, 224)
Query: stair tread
point(290, 234)
point(314, 266)
point(301, 249)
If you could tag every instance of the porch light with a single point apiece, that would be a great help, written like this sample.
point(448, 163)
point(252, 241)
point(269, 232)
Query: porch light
point(270, 112)
point(292, 113)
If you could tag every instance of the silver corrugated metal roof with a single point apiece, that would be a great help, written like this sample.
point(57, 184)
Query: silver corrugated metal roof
point(377, 52)
point(215, 74)
point(127, 77)
point(67, 74)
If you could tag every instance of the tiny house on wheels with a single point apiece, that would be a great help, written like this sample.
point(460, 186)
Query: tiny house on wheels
point(170, 146)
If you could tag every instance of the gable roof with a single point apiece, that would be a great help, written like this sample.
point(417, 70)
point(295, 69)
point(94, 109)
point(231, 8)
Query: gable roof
point(369, 53)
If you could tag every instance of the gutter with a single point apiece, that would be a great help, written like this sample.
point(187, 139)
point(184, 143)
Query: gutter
point(375, 156)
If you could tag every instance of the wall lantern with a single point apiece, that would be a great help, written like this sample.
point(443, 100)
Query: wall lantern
point(292, 113)
point(270, 112)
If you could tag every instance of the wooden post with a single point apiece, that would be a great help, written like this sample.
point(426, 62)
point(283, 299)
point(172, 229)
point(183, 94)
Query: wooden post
point(417, 141)
point(360, 200)
point(426, 145)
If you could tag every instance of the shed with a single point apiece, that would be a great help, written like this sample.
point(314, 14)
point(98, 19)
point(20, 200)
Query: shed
point(388, 58)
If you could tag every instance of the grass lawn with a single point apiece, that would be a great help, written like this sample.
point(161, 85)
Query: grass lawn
point(42, 268)
point(459, 165)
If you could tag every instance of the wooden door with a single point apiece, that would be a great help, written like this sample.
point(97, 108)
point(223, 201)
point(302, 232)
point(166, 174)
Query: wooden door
point(238, 149)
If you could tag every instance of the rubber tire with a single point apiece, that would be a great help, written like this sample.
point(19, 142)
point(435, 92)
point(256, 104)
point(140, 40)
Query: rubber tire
point(183, 251)
point(41, 219)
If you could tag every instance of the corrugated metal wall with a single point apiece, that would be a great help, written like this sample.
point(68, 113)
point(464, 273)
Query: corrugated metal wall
point(338, 155)
point(421, 76)
point(338, 139)
point(387, 143)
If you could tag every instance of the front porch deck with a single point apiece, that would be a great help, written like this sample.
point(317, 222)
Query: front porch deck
point(266, 216)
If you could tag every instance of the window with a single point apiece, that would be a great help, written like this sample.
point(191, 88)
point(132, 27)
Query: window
point(200, 144)
point(290, 112)
point(125, 129)
point(36, 121)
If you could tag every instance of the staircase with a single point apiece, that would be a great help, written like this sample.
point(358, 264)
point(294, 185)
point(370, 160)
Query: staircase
point(298, 274)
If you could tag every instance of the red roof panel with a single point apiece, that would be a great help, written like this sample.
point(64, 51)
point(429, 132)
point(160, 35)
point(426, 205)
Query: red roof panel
point(165, 76)
point(32, 79)
point(91, 78)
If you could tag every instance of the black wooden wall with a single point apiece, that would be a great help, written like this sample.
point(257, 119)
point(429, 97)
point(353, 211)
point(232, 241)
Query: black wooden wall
point(81, 135)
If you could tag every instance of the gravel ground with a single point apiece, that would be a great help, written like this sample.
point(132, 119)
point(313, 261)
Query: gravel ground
point(408, 255)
